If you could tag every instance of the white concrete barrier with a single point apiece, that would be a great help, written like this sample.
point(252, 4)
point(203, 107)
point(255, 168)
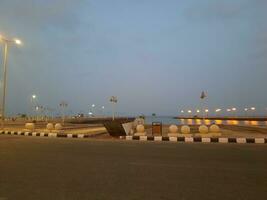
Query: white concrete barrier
point(58, 126)
point(50, 126)
point(185, 129)
point(214, 128)
point(30, 126)
point(140, 130)
point(203, 129)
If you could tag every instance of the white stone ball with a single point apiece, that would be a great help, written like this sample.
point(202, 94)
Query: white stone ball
point(30, 126)
point(185, 129)
point(173, 129)
point(203, 129)
point(50, 126)
point(214, 128)
point(58, 126)
point(140, 128)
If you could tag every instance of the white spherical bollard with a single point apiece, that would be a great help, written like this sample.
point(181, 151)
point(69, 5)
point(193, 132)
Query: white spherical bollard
point(214, 128)
point(140, 128)
point(203, 129)
point(173, 129)
point(30, 126)
point(50, 126)
point(58, 126)
point(185, 129)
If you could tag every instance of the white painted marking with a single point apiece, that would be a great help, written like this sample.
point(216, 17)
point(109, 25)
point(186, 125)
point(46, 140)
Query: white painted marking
point(26, 133)
point(143, 138)
point(259, 140)
point(173, 139)
point(19, 132)
point(189, 139)
point(34, 134)
point(241, 140)
point(206, 140)
point(69, 135)
point(158, 138)
point(6, 132)
point(129, 137)
point(80, 135)
point(223, 140)
point(12, 132)
point(42, 134)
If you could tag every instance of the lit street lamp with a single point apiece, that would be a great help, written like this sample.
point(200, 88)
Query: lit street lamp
point(6, 43)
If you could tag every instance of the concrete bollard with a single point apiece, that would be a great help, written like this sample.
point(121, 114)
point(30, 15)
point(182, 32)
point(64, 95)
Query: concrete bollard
point(140, 130)
point(50, 126)
point(185, 129)
point(173, 131)
point(203, 129)
point(58, 126)
point(30, 126)
point(214, 128)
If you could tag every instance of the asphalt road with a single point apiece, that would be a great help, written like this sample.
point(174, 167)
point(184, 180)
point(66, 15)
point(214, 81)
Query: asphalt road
point(62, 168)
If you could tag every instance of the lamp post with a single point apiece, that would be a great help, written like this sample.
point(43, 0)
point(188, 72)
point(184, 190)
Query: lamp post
point(6, 43)
point(113, 100)
point(63, 105)
point(34, 103)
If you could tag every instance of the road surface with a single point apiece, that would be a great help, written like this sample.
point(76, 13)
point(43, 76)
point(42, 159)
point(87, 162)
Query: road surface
point(62, 168)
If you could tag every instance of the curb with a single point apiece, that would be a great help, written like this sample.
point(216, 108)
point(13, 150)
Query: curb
point(198, 139)
point(42, 134)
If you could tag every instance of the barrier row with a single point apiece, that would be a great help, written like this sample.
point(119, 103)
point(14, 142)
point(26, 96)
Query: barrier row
point(198, 139)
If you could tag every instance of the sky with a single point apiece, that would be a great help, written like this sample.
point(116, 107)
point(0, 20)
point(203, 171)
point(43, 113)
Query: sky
point(156, 56)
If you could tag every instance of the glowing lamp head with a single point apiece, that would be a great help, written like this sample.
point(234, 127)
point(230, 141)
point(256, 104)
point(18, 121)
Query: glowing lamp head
point(198, 111)
point(189, 111)
point(253, 108)
point(182, 111)
point(233, 109)
point(34, 96)
point(17, 41)
point(206, 110)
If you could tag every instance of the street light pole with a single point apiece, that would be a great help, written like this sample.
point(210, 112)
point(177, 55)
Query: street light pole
point(4, 83)
point(5, 42)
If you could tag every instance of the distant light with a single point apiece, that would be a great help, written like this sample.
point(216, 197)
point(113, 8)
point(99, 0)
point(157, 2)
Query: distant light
point(233, 109)
point(246, 109)
point(207, 110)
point(103, 107)
point(17, 41)
point(189, 111)
point(229, 110)
point(218, 110)
point(182, 111)
point(34, 96)
point(253, 108)
point(90, 113)
point(198, 111)
point(93, 105)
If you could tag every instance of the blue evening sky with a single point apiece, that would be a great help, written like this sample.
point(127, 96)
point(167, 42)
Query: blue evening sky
point(155, 55)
